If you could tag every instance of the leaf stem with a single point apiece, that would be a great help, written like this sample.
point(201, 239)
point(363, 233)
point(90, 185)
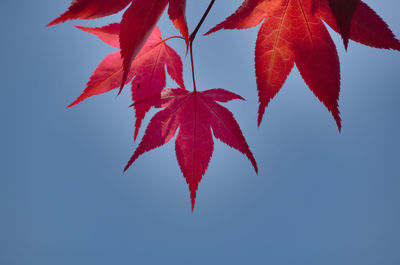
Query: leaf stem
point(191, 61)
point(193, 36)
point(173, 37)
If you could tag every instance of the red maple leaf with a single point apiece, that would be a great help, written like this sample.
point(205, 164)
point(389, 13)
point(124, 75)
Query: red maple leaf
point(138, 21)
point(195, 113)
point(293, 33)
point(147, 70)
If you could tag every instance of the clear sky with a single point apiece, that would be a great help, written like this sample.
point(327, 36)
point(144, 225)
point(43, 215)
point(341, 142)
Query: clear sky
point(321, 197)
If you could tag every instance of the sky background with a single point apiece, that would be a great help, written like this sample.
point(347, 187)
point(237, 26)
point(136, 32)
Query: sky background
point(320, 198)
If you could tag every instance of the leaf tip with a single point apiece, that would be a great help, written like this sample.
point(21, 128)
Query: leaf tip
point(193, 199)
point(346, 43)
point(52, 23)
point(214, 29)
point(73, 103)
point(62, 18)
point(136, 133)
point(210, 31)
point(261, 111)
point(81, 28)
point(124, 78)
point(241, 98)
point(340, 128)
point(338, 121)
point(120, 89)
point(127, 166)
point(130, 162)
point(254, 163)
point(81, 98)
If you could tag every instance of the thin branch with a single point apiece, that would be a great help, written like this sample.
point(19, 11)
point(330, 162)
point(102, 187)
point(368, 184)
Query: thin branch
point(193, 36)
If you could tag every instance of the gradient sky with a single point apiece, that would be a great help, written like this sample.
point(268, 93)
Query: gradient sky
point(321, 197)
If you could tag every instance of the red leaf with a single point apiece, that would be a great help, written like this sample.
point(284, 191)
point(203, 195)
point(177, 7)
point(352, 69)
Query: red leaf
point(90, 9)
point(195, 113)
point(293, 33)
point(147, 70)
point(343, 11)
point(137, 23)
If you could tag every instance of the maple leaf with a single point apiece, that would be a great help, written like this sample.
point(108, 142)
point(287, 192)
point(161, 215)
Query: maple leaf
point(147, 70)
point(195, 113)
point(293, 33)
point(138, 21)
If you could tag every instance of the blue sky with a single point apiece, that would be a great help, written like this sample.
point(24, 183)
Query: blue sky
point(321, 197)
